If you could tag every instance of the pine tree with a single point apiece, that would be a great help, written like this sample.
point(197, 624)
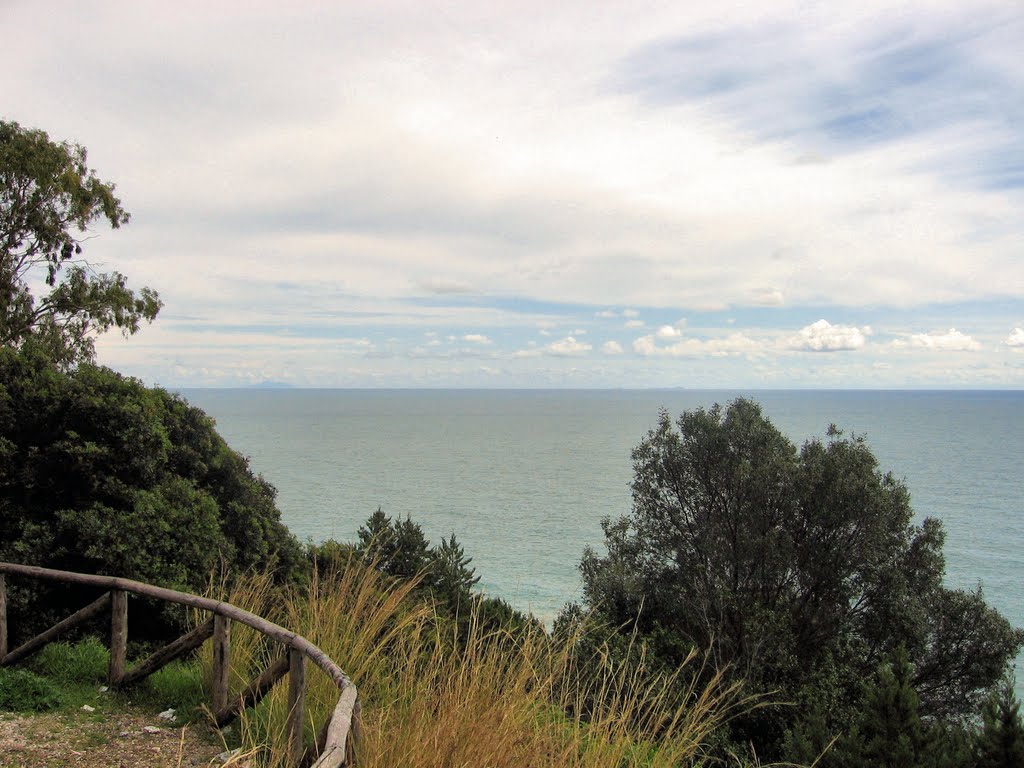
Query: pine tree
point(891, 728)
point(1001, 741)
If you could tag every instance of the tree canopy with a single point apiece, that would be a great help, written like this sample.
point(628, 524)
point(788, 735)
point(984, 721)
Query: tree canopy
point(100, 474)
point(49, 294)
point(802, 570)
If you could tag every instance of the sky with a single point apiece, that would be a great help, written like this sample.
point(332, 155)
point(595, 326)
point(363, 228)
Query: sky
point(571, 194)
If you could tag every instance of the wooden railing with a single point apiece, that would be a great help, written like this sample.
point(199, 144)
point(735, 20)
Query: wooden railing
point(334, 745)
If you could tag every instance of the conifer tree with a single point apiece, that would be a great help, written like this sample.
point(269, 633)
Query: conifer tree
point(1001, 741)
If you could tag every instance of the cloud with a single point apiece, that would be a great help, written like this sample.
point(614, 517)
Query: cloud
point(733, 344)
point(1016, 338)
point(822, 336)
point(633, 324)
point(767, 297)
point(441, 286)
point(568, 347)
point(476, 338)
point(671, 331)
point(611, 348)
point(950, 341)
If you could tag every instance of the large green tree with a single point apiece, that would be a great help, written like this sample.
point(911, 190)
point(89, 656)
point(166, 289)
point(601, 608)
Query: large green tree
point(800, 569)
point(100, 474)
point(49, 294)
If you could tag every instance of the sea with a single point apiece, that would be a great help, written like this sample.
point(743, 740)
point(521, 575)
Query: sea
point(523, 478)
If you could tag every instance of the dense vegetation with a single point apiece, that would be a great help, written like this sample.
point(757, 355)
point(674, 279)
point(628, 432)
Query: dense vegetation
point(100, 474)
point(803, 572)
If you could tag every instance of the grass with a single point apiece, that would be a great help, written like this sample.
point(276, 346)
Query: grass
point(431, 695)
point(491, 698)
point(68, 676)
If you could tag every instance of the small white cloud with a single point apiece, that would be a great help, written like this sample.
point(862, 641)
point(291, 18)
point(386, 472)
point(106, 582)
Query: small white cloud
point(822, 336)
point(634, 324)
point(606, 313)
point(579, 332)
point(568, 346)
point(950, 341)
point(668, 332)
point(544, 332)
point(767, 297)
point(630, 313)
point(476, 338)
point(1016, 338)
point(733, 344)
point(611, 348)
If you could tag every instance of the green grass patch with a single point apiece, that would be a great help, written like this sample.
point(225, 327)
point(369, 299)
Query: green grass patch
point(25, 691)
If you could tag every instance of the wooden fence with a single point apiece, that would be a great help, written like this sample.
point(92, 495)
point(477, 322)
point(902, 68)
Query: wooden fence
point(334, 745)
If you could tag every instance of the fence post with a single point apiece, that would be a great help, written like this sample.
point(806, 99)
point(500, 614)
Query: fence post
point(296, 705)
point(221, 660)
point(118, 635)
point(3, 616)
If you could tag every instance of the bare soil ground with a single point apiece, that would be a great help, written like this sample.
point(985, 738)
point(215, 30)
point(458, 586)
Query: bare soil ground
point(103, 740)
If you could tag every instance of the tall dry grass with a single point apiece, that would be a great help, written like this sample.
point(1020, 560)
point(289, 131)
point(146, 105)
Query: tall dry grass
point(491, 698)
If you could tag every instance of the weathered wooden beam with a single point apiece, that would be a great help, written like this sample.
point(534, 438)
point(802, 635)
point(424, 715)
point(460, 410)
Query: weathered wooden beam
point(336, 742)
point(296, 706)
point(3, 617)
point(28, 648)
point(173, 650)
point(118, 636)
point(221, 661)
point(254, 692)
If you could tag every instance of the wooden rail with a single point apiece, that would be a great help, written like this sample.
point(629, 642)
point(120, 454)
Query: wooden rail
point(334, 744)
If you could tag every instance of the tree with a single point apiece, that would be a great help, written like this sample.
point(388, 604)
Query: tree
point(49, 200)
point(798, 569)
point(100, 474)
point(1001, 741)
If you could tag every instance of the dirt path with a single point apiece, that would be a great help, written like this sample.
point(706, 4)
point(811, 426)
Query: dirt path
point(104, 740)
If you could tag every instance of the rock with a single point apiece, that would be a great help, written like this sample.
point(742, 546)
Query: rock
point(223, 757)
point(151, 729)
point(87, 708)
point(168, 714)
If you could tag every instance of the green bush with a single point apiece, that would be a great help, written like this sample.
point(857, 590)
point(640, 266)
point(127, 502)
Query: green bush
point(24, 691)
point(82, 662)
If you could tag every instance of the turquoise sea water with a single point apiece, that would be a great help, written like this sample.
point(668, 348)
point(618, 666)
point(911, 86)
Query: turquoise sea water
point(523, 477)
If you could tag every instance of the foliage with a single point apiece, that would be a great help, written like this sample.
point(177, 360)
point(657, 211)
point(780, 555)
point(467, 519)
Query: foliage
point(1001, 740)
point(399, 548)
point(83, 662)
point(799, 569)
point(49, 199)
point(24, 691)
point(495, 697)
point(100, 474)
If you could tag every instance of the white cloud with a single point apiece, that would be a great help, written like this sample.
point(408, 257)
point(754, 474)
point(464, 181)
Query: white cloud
point(611, 348)
point(630, 313)
point(476, 338)
point(950, 341)
point(822, 336)
point(633, 324)
point(767, 297)
point(568, 346)
point(733, 344)
point(668, 332)
point(1016, 338)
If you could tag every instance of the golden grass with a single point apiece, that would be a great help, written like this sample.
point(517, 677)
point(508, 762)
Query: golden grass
point(493, 699)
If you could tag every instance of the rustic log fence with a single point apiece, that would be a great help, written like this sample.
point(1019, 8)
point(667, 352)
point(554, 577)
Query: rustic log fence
point(334, 744)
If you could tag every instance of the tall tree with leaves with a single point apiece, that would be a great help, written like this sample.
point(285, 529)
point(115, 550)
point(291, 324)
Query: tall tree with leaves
point(49, 295)
point(799, 569)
